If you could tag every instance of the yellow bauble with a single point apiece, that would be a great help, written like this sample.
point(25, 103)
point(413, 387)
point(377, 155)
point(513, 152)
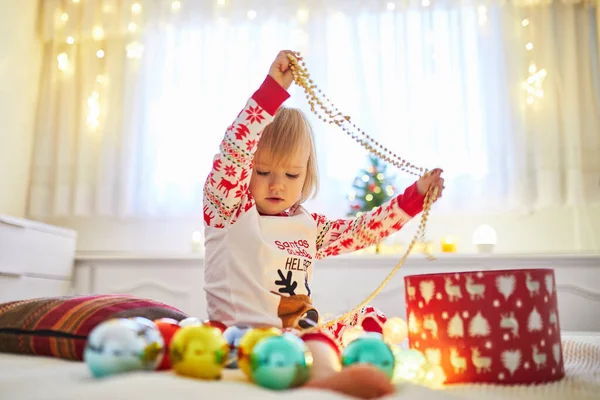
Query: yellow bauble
point(247, 343)
point(199, 352)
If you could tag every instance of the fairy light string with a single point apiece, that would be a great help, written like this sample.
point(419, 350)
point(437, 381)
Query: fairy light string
point(323, 108)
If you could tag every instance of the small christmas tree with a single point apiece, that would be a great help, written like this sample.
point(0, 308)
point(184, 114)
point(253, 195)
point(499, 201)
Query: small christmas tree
point(372, 188)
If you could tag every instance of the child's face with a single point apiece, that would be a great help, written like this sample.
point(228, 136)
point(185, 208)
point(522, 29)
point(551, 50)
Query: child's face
point(277, 188)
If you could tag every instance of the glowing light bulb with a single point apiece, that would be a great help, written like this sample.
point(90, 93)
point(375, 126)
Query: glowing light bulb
point(221, 2)
point(532, 68)
point(97, 33)
point(365, 178)
point(525, 22)
point(63, 61)
point(100, 53)
point(369, 197)
point(136, 8)
point(134, 50)
point(391, 6)
point(380, 176)
point(425, 3)
point(395, 331)
point(70, 40)
point(529, 46)
point(64, 17)
point(252, 14)
point(175, 6)
point(132, 26)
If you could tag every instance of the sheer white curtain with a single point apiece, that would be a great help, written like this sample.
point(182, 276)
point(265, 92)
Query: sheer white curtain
point(135, 97)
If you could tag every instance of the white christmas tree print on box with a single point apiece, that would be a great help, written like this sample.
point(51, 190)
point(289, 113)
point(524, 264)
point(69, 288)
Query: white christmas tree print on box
point(534, 322)
point(456, 327)
point(479, 326)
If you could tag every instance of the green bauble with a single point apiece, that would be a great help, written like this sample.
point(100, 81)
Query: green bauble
point(280, 362)
point(370, 349)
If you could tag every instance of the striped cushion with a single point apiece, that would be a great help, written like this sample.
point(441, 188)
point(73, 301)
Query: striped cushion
point(59, 326)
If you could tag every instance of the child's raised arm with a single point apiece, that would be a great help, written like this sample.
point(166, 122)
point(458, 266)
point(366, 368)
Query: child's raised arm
point(347, 235)
point(226, 188)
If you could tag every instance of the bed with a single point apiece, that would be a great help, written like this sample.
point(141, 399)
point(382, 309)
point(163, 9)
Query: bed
point(30, 377)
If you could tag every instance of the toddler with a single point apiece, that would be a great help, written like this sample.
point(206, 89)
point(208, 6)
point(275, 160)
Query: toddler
point(260, 241)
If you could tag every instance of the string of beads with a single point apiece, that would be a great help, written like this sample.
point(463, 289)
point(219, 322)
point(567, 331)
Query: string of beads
point(323, 108)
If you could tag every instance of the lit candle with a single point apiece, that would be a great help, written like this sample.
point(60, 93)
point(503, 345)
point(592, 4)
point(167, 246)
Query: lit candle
point(448, 245)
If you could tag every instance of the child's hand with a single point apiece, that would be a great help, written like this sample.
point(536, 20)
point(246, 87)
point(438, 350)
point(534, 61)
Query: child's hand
point(280, 70)
point(432, 180)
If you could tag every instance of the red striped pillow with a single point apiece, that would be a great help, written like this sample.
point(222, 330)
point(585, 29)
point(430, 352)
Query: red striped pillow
point(59, 326)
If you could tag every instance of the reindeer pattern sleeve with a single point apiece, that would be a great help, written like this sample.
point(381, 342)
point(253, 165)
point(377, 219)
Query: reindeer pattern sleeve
point(347, 235)
point(226, 190)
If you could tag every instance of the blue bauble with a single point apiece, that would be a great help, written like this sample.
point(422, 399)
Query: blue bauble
point(280, 362)
point(122, 345)
point(370, 349)
point(233, 335)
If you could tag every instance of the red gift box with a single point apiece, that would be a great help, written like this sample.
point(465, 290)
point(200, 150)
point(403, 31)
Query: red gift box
point(487, 326)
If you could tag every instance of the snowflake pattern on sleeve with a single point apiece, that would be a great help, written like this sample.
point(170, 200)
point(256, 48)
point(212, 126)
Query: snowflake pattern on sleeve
point(226, 190)
point(346, 235)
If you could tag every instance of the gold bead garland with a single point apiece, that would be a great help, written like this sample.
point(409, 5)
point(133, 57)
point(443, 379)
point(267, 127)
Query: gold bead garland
point(332, 115)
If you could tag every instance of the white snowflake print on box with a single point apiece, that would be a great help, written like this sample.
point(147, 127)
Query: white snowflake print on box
point(487, 326)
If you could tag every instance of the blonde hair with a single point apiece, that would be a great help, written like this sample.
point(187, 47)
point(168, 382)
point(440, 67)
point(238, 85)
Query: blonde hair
point(289, 133)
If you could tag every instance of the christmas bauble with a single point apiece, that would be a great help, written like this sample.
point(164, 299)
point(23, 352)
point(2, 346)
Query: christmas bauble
point(371, 319)
point(280, 362)
point(325, 353)
point(199, 351)
point(121, 345)
point(408, 364)
point(233, 335)
point(217, 324)
point(395, 331)
point(167, 328)
point(370, 349)
point(190, 321)
point(247, 343)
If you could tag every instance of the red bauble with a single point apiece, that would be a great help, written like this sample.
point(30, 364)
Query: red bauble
point(371, 319)
point(215, 324)
point(167, 328)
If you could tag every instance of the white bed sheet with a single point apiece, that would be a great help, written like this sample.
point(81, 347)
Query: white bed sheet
point(29, 378)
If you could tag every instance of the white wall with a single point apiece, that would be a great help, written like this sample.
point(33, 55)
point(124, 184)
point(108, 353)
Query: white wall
point(20, 57)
